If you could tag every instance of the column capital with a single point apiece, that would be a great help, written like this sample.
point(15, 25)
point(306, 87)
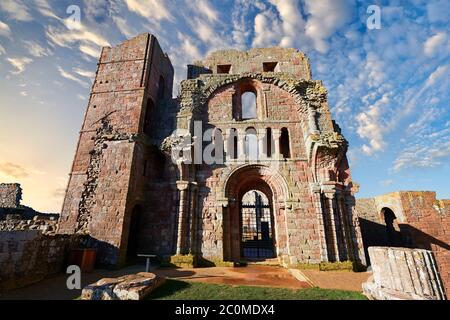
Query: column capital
point(182, 185)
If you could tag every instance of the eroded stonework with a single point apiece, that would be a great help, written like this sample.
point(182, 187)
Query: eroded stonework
point(128, 194)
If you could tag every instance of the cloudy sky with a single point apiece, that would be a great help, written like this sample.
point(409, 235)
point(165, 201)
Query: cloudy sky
point(388, 87)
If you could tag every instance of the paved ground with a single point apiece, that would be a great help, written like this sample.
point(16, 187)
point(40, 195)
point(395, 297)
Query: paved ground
point(252, 275)
point(55, 288)
point(343, 280)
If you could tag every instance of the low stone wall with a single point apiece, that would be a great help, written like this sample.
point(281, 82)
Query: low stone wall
point(403, 274)
point(47, 225)
point(30, 256)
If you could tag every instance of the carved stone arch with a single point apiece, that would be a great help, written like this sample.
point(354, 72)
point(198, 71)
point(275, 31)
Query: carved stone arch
point(275, 180)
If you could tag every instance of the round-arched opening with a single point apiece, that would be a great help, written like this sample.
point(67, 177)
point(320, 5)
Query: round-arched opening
point(257, 232)
point(393, 233)
point(248, 104)
point(251, 144)
point(133, 232)
point(253, 218)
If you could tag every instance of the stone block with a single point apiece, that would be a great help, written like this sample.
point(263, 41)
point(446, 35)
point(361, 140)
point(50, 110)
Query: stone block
point(128, 287)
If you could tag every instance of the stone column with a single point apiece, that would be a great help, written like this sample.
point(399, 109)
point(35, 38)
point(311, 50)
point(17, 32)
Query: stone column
point(226, 136)
point(329, 198)
point(241, 144)
point(182, 186)
point(193, 220)
point(261, 138)
point(320, 212)
point(276, 134)
point(313, 129)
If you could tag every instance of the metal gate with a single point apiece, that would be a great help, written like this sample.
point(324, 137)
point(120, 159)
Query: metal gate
point(257, 226)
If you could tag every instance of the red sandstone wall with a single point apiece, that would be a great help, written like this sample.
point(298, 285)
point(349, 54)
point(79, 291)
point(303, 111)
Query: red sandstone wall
point(107, 156)
point(429, 227)
point(297, 233)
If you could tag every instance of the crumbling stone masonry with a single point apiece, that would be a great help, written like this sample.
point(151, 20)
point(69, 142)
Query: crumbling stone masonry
point(30, 256)
point(403, 274)
point(127, 193)
point(10, 195)
point(412, 219)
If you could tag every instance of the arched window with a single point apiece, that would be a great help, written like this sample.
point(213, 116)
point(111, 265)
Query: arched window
point(148, 116)
point(393, 233)
point(284, 143)
point(268, 142)
point(161, 87)
point(232, 141)
point(248, 105)
point(251, 144)
point(218, 146)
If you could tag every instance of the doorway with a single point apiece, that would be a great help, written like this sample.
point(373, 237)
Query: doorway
point(257, 235)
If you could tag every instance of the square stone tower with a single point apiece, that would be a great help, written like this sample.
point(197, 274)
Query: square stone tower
point(132, 86)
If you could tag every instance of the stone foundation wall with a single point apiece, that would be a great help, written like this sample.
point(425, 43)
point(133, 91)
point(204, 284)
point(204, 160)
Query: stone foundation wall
point(10, 195)
point(15, 223)
point(30, 256)
point(403, 274)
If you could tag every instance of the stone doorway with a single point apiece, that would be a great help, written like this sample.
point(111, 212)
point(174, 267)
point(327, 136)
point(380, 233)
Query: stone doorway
point(257, 232)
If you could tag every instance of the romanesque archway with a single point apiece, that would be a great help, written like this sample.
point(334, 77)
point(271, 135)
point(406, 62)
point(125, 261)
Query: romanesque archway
point(265, 236)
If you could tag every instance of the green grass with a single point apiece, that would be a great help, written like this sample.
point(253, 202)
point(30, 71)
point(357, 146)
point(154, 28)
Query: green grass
point(182, 290)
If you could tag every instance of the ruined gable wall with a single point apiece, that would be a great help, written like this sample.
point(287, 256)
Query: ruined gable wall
point(299, 229)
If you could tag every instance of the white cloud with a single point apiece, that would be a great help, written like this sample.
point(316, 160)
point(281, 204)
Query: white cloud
point(64, 38)
point(2, 50)
point(16, 10)
point(292, 22)
point(4, 29)
point(70, 76)
point(326, 17)
point(419, 156)
point(124, 28)
point(35, 49)
point(90, 51)
point(371, 127)
point(150, 9)
point(267, 29)
point(19, 64)
point(45, 9)
point(434, 43)
point(204, 7)
point(436, 75)
point(84, 73)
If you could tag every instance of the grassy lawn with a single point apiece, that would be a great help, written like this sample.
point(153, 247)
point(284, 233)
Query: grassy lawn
point(182, 290)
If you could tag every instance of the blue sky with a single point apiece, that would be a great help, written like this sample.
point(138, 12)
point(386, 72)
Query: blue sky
point(388, 88)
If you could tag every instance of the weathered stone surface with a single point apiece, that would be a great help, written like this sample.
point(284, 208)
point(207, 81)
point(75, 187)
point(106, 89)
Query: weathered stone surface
point(30, 256)
point(123, 168)
point(403, 274)
point(129, 287)
point(420, 221)
point(10, 195)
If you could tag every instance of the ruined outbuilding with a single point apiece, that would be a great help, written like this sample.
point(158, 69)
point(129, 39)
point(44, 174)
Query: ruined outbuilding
point(280, 188)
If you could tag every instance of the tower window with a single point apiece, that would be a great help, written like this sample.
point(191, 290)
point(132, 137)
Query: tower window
point(248, 105)
point(224, 68)
point(284, 143)
point(270, 66)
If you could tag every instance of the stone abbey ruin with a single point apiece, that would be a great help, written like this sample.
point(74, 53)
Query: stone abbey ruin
point(279, 190)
